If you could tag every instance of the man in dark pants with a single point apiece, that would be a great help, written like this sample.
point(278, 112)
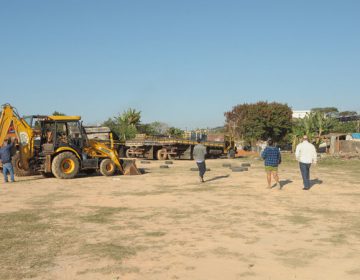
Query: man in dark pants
point(5, 157)
point(306, 155)
point(199, 154)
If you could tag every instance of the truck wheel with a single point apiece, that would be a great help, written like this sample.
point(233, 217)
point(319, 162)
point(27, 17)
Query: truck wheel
point(65, 166)
point(161, 154)
point(171, 157)
point(129, 153)
point(18, 169)
point(107, 167)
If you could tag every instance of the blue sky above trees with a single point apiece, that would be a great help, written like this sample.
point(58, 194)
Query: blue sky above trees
point(182, 62)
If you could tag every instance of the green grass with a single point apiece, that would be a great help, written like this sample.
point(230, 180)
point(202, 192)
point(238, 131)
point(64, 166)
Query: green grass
point(30, 242)
point(155, 234)
point(296, 258)
point(103, 215)
point(109, 250)
point(299, 219)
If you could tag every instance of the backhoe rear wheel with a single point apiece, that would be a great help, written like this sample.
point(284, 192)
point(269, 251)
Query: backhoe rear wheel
point(65, 166)
point(107, 167)
point(18, 168)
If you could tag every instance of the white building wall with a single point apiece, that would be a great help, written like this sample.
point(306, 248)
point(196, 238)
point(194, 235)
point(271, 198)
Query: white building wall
point(300, 114)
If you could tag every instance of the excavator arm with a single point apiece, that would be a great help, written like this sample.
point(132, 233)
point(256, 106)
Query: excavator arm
point(24, 133)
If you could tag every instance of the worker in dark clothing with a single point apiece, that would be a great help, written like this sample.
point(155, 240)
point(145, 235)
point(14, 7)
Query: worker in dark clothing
point(199, 154)
point(5, 157)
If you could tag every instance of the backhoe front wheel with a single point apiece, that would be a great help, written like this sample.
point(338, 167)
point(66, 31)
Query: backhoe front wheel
point(65, 166)
point(107, 167)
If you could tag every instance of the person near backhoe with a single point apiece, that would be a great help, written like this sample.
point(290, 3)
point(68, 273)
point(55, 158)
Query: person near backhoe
point(272, 157)
point(5, 157)
point(49, 136)
point(199, 154)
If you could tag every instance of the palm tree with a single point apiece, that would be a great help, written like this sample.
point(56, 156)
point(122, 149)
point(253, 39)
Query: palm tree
point(131, 117)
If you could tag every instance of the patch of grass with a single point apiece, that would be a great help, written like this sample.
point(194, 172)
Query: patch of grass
point(354, 271)
point(297, 257)
point(265, 224)
point(111, 269)
point(30, 243)
point(103, 215)
point(299, 219)
point(336, 239)
point(109, 250)
point(224, 252)
point(49, 199)
point(155, 234)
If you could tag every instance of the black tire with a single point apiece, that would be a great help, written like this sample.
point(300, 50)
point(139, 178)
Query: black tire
point(239, 169)
point(107, 167)
point(161, 154)
point(18, 170)
point(65, 166)
point(47, 175)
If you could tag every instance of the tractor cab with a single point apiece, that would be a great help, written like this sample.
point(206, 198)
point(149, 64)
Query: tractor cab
point(60, 132)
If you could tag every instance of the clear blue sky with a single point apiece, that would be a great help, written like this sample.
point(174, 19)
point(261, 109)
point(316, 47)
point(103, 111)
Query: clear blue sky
point(184, 62)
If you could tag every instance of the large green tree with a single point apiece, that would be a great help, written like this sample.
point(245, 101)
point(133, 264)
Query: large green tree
point(259, 121)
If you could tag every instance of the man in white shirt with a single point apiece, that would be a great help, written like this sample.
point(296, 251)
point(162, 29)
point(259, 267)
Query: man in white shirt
point(306, 155)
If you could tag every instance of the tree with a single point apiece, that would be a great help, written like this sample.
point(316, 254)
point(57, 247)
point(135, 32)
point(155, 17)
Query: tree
point(153, 129)
point(259, 121)
point(328, 111)
point(56, 113)
point(125, 125)
point(348, 113)
point(175, 132)
point(314, 125)
point(345, 127)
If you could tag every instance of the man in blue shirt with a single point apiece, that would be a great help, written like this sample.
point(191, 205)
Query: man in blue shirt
point(272, 158)
point(5, 157)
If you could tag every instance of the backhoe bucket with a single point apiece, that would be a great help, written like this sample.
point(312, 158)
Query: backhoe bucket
point(130, 168)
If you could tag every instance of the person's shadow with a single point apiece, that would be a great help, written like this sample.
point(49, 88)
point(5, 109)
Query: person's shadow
point(283, 183)
point(218, 178)
point(315, 182)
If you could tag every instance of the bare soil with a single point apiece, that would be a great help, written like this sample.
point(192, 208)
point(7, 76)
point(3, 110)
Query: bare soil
point(165, 224)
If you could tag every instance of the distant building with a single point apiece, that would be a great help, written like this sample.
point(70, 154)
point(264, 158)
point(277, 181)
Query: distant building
point(300, 114)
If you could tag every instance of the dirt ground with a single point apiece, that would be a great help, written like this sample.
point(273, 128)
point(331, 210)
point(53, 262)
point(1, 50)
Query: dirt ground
point(165, 224)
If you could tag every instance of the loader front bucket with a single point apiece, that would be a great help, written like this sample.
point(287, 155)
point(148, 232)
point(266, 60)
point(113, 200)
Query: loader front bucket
point(130, 168)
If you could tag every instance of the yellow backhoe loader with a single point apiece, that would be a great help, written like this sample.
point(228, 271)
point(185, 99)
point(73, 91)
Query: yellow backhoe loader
point(58, 145)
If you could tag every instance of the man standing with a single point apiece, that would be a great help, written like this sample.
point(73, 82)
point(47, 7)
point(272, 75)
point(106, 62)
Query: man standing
point(5, 157)
point(272, 157)
point(306, 155)
point(199, 154)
